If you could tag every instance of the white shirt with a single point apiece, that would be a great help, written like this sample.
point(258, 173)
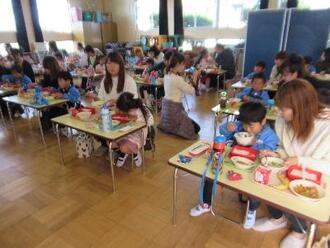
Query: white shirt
point(175, 87)
point(129, 86)
point(314, 152)
point(159, 58)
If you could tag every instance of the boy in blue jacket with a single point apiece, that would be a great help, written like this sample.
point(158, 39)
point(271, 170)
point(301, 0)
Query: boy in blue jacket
point(256, 92)
point(66, 91)
point(252, 119)
point(17, 77)
point(259, 67)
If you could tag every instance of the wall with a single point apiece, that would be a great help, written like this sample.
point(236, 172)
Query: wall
point(123, 13)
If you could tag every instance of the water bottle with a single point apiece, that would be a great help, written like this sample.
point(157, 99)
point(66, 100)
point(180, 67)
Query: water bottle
point(105, 116)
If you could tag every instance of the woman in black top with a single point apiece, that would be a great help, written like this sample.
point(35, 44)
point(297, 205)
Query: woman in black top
point(51, 70)
point(27, 68)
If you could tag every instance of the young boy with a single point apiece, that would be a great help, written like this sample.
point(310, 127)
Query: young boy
point(252, 119)
point(256, 93)
point(259, 67)
point(17, 76)
point(66, 91)
point(308, 65)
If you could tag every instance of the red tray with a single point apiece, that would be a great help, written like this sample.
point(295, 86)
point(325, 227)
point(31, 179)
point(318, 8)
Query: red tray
point(295, 172)
point(244, 152)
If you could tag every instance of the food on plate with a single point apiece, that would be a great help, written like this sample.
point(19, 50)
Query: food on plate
point(284, 181)
point(307, 191)
point(84, 116)
point(242, 163)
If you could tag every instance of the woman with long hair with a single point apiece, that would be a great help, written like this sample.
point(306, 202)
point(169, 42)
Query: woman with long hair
point(174, 119)
point(51, 71)
point(304, 132)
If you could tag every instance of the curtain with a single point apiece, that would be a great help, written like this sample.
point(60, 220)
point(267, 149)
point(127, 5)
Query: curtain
point(178, 17)
point(35, 21)
point(264, 4)
point(292, 4)
point(21, 33)
point(163, 19)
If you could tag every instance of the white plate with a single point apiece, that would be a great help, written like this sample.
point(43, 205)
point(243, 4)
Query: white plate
point(306, 183)
point(242, 163)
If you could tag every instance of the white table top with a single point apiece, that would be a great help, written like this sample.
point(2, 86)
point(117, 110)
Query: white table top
point(92, 127)
point(318, 212)
point(26, 102)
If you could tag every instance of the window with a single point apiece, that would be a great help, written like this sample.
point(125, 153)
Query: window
point(67, 45)
point(313, 4)
point(54, 16)
point(234, 13)
point(147, 13)
point(3, 51)
point(7, 22)
point(199, 13)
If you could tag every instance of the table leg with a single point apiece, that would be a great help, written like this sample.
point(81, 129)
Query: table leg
point(156, 99)
point(215, 125)
point(175, 176)
point(310, 235)
point(111, 168)
point(59, 143)
point(142, 152)
point(2, 117)
point(40, 127)
point(218, 82)
point(11, 119)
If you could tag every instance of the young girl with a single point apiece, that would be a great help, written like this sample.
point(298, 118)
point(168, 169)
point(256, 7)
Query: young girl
point(304, 132)
point(145, 90)
point(132, 143)
point(276, 74)
point(174, 119)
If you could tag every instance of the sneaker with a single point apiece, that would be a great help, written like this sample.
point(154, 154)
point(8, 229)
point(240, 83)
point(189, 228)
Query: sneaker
point(292, 240)
point(266, 224)
point(101, 151)
point(138, 159)
point(199, 210)
point(121, 160)
point(250, 219)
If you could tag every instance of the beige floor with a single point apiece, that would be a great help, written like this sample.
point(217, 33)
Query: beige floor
point(43, 204)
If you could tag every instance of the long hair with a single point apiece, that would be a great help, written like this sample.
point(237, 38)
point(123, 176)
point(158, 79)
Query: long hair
point(126, 102)
point(115, 57)
point(53, 46)
point(201, 56)
point(175, 59)
point(300, 96)
point(52, 65)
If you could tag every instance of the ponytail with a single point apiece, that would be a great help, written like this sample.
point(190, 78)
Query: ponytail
point(175, 59)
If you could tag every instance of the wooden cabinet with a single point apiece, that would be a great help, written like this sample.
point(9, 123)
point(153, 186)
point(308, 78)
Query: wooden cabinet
point(109, 32)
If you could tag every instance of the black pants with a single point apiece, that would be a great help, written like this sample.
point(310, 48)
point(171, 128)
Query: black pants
point(296, 224)
point(207, 193)
point(50, 114)
point(152, 90)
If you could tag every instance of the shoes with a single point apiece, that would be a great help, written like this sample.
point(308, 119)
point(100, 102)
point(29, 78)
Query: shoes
point(199, 210)
point(266, 224)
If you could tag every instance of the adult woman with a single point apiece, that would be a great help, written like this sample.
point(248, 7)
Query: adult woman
point(276, 74)
point(115, 82)
point(174, 119)
point(323, 67)
point(51, 70)
point(26, 66)
point(304, 132)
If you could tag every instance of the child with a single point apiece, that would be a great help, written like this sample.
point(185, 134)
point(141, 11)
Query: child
point(145, 90)
point(256, 93)
point(100, 68)
point(309, 68)
point(66, 91)
point(276, 74)
point(259, 67)
point(252, 119)
point(132, 143)
point(17, 77)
